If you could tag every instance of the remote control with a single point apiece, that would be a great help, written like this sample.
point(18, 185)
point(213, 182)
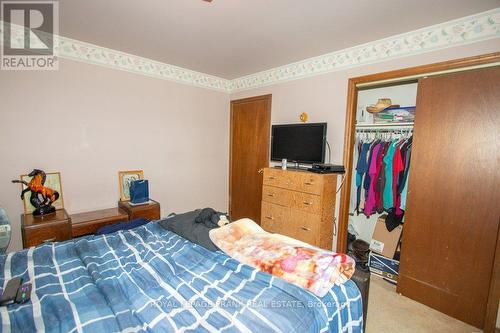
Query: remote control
point(23, 293)
point(10, 291)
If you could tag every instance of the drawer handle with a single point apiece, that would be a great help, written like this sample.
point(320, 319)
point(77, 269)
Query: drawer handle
point(309, 183)
point(50, 240)
point(308, 203)
point(305, 229)
point(272, 177)
point(270, 195)
point(269, 217)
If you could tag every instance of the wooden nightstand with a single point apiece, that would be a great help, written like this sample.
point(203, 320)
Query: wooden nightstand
point(51, 228)
point(149, 211)
point(87, 223)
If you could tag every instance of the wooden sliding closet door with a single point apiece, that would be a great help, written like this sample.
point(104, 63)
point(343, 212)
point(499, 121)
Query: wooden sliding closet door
point(453, 207)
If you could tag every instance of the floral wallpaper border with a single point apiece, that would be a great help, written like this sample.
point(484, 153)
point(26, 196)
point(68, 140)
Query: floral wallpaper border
point(80, 51)
point(72, 49)
point(462, 31)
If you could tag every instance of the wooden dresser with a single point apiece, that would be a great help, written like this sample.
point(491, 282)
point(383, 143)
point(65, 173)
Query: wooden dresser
point(299, 204)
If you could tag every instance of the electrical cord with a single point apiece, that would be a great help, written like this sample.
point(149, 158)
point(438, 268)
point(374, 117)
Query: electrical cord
point(335, 226)
point(329, 152)
point(334, 218)
point(341, 184)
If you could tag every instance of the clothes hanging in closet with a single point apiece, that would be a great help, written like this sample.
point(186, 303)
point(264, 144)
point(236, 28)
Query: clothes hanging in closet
point(382, 169)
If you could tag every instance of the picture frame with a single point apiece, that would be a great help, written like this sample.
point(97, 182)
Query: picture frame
point(125, 178)
point(53, 181)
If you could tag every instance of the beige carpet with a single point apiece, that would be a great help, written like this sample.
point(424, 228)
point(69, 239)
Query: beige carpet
point(390, 312)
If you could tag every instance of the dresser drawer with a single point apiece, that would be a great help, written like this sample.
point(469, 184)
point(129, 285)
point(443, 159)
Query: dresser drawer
point(149, 211)
point(294, 180)
point(306, 182)
point(150, 214)
point(310, 203)
point(53, 227)
point(89, 222)
point(276, 195)
point(275, 218)
point(306, 226)
point(56, 232)
point(275, 177)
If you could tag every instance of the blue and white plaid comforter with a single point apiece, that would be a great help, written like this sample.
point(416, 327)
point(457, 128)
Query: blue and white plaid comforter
point(150, 279)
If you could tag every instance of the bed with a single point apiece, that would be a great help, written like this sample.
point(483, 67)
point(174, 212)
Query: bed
point(150, 279)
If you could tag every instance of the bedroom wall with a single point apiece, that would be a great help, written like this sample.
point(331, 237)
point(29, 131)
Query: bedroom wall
point(77, 121)
point(324, 97)
point(89, 122)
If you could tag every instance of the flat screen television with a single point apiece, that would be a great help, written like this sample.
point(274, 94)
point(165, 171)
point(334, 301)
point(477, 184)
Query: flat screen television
point(301, 143)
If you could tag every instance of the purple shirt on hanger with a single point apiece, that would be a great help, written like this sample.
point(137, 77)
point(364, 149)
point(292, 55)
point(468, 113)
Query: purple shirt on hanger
point(372, 171)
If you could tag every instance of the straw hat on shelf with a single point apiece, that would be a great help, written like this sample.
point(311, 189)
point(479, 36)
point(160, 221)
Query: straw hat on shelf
point(382, 104)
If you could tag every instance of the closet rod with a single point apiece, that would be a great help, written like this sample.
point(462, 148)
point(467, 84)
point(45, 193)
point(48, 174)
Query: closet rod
point(384, 130)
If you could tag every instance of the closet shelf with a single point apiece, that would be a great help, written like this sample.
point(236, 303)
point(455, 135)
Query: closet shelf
point(385, 126)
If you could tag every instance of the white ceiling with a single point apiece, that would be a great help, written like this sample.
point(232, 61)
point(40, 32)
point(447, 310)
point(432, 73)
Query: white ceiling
point(232, 38)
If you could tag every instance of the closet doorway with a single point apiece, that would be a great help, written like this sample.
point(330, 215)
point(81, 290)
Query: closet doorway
point(249, 154)
point(446, 244)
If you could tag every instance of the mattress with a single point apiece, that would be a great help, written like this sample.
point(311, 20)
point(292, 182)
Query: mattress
point(150, 279)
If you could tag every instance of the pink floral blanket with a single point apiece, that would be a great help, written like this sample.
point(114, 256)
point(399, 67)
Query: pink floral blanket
point(296, 262)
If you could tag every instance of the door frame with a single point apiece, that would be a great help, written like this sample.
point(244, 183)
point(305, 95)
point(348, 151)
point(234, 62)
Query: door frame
point(268, 99)
point(397, 77)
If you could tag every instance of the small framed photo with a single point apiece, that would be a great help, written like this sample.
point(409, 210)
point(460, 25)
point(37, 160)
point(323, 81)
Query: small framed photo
point(52, 181)
point(125, 179)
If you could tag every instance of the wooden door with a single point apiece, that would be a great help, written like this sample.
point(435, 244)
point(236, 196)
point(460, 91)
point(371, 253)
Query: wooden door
point(453, 206)
point(249, 153)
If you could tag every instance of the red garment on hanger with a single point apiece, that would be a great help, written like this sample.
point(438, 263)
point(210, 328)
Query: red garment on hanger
point(397, 167)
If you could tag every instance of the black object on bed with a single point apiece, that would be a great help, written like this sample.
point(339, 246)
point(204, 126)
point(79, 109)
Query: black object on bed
point(194, 226)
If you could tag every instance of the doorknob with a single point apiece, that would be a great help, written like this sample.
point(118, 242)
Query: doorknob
point(260, 170)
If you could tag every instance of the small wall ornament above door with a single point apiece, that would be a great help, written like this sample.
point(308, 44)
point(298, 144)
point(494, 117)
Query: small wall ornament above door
point(304, 117)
